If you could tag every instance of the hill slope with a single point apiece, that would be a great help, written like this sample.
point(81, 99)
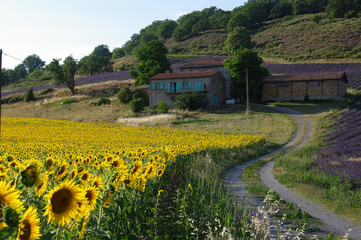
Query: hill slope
point(291, 38)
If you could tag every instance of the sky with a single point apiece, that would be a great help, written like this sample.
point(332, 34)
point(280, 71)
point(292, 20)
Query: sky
point(57, 29)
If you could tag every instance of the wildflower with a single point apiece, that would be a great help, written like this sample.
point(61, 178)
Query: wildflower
point(29, 227)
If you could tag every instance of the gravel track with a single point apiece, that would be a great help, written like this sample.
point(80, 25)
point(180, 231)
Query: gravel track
point(330, 221)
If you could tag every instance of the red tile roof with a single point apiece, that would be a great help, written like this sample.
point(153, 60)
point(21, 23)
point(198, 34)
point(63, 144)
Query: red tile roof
point(183, 75)
point(306, 77)
point(202, 64)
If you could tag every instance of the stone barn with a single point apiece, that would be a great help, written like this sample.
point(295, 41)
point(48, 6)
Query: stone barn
point(296, 87)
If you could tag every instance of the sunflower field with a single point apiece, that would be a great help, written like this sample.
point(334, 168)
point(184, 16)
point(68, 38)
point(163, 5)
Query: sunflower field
point(68, 180)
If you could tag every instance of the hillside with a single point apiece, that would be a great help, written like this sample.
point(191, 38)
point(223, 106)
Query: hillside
point(291, 38)
point(298, 38)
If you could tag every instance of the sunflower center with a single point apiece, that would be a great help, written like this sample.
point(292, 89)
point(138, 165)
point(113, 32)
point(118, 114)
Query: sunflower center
point(26, 230)
point(61, 201)
point(89, 195)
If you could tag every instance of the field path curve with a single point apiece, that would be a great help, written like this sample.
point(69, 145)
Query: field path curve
point(330, 222)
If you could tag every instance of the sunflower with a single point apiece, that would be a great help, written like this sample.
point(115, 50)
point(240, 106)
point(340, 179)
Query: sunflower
point(142, 180)
point(65, 201)
point(30, 176)
point(9, 196)
point(43, 184)
point(97, 182)
point(49, 163)
point(84, 178)
point(91, 195)
point(29, 227)
point(61, 170)
point(73, 174)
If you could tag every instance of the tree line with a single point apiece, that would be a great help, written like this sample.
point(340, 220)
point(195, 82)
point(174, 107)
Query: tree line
point(248, 16)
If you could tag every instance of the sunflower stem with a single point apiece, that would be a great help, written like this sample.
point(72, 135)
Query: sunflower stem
point(100, 214)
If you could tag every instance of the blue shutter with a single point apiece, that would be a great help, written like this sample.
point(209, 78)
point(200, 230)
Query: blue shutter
point(178, 86)
point(220, 86)
point(168, 87)
point(153, 86)
point(197, 86)
point(161, 85)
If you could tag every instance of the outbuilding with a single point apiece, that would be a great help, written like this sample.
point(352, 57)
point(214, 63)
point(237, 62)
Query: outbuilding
point(330, 85)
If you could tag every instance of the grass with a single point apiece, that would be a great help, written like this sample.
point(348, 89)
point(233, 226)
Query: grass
point(297, 170)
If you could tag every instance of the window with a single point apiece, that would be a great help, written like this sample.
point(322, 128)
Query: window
point(284, 84)
point(157, 86)
point(314, 83)
point(220, 86)
point(198, 86)
point(187, 85)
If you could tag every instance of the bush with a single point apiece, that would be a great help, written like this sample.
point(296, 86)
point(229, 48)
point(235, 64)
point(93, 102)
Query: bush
point(193, 101)
point(46, 91)
point(137, 105)
point(29, 95)
point(101, 101)
point(139, 93)
point(125, 95)
point(12, 99)
point(162, 107)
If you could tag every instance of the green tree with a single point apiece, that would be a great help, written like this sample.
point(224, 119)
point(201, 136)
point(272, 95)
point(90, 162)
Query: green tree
point(246, 59)
point(20, 72)
point(343, 8)
point(118, 53)
point(238, 20)
point(167, 28)
point(257, 11)
point(153, 60)
point(102, 51)
point(220, 19)
point(33, 62)
point(131, 44)
point(238, 38)
point(64, 74)
point(35, 75)
point(281, 8)
point(93, 64)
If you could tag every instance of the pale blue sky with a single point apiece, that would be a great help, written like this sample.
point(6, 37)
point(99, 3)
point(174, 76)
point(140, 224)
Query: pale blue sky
point(56, 29)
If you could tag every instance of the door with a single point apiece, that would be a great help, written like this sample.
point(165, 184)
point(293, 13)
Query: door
point(215, 99)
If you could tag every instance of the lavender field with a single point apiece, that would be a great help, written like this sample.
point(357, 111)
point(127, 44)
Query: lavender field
point(342, 157)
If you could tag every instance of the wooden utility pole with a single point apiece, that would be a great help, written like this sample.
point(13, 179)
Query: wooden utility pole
point(1, 54)
point(247, 109)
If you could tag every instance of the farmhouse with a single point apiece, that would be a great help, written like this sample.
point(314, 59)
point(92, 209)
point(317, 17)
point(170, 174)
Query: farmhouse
point(166, 86)
point(210, 65)
point(296, 87)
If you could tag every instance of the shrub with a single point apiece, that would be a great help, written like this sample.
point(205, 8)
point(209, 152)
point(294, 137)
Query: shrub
point(12, 99)
point(137, 105)
point(139, 93)
point(193, 101)
point(162, 107)
point(29, 95)
point(46, 91)
point(125, 95)
point(101, 101)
